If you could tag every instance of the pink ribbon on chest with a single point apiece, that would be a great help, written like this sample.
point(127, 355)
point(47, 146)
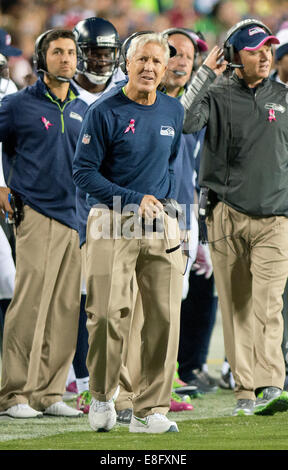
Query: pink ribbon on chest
point(130, 127)
point(46, 123)
point(272, 116)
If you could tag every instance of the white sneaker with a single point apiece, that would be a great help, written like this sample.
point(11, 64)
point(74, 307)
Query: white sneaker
point(156, 424)
point(102, 415)
point(61, 409)
point(22, 410)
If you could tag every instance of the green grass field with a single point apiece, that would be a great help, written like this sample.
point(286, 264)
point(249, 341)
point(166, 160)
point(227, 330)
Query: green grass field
point(209, 426)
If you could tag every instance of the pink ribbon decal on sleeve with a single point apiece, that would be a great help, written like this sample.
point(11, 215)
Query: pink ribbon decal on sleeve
point(130, 127)
point(272, 116)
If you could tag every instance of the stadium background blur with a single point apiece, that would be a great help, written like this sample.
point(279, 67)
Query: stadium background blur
point(26, 19)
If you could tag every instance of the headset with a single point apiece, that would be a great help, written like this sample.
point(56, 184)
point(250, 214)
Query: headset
point(228, 48)
point(126, 44)
point(190, 34)
point(39, 59)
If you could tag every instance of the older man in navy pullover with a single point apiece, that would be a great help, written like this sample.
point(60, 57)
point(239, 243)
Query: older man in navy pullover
point(127, 149)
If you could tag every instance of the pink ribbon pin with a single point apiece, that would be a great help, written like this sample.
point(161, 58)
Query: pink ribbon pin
point(130, 127)
point(272, 116)
point(46, 123)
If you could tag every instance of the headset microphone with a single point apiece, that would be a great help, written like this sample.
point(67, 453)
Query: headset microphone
point(229, 50)
point(235, 66)
point(230, 64)
point(57, 77)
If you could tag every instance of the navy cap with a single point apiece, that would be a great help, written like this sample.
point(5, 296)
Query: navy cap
point(5, 47)
point(251, 38)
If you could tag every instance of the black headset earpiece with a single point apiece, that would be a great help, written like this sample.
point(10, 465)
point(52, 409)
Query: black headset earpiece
point(125, 47)
point(39, 57)
point(186, 32)
point(126, 44)
point(228, 48)
point(39, 60)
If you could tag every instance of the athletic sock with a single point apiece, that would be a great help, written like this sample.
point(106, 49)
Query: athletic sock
point(82, 384)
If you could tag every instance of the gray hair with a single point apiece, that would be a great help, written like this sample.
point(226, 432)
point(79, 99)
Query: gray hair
point(144, 39)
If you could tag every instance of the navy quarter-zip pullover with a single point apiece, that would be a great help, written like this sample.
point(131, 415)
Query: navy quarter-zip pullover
point(39, 135)
point(127, 149)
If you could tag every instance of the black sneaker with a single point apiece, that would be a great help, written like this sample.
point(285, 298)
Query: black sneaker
point(203, 381)
point(124, 416)
point(244, 407)
point(270, 400)
point(182, 388)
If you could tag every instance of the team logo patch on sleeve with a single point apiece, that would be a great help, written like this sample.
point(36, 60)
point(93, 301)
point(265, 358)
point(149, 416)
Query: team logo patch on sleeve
point(86, 139)
point(167, 130)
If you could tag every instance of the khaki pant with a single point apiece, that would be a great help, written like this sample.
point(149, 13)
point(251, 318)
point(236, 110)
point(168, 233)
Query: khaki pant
point(111, 264)
point(124, 399)
point(41, 323)
point(250, 262)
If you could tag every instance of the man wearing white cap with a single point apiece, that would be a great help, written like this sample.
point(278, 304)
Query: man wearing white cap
point(244, 168)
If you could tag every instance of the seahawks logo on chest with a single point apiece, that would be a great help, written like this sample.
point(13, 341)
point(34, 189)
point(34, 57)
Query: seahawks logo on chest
point(77, 116)
point(167, 130)
point(275, 107)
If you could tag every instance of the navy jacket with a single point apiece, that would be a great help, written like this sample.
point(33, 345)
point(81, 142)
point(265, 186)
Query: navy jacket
point(245, 152)
point(39, 135)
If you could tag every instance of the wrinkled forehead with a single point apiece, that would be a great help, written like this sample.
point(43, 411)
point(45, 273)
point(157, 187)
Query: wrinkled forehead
point(150, 49)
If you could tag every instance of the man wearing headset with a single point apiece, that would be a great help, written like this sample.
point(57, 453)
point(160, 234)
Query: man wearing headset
point(199, 304)
point(197, 310)
point(39, 127)
point(127, 146)
point(244, 166)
